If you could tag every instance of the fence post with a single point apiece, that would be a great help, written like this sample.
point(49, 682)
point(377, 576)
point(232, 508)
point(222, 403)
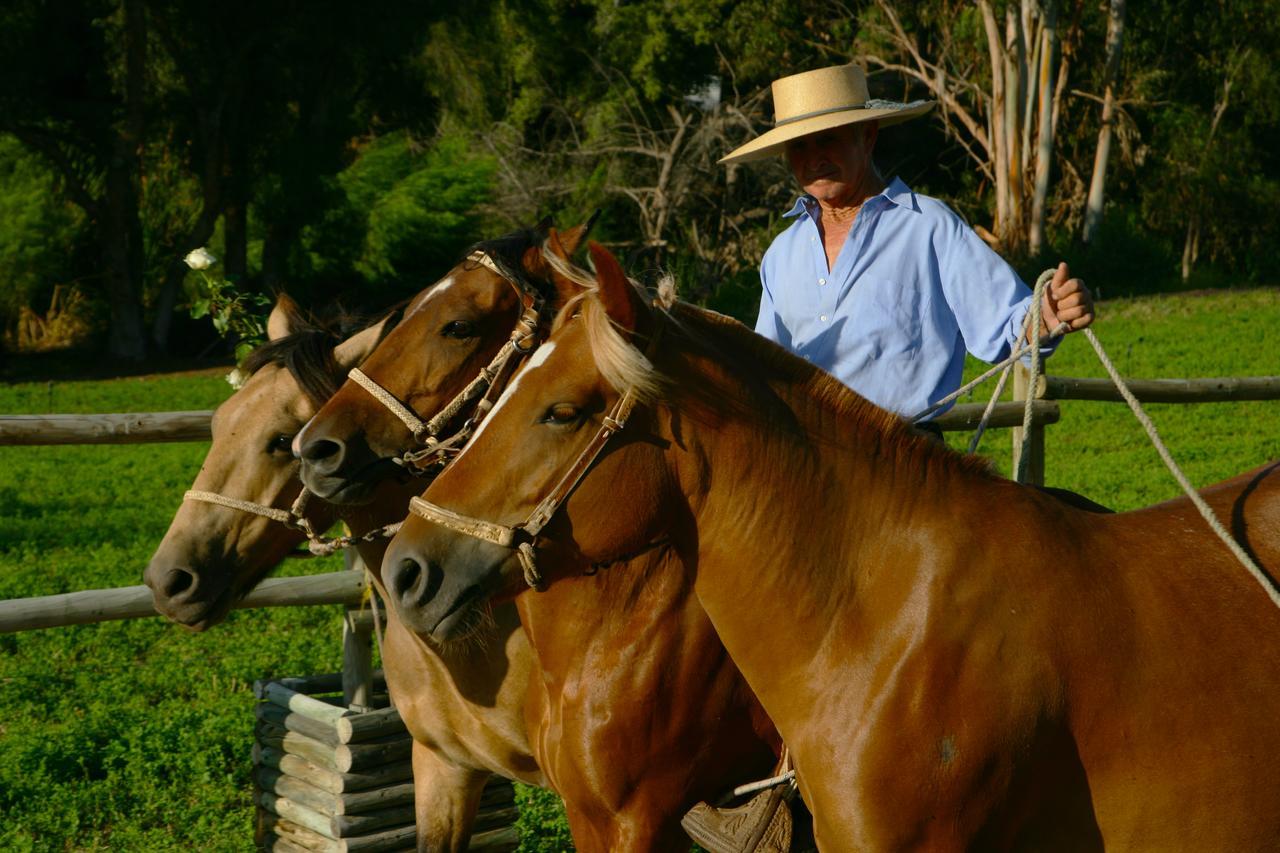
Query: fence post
point(1033, 442)
point(357, 647)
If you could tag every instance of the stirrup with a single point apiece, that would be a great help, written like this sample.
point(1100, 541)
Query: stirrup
point(761, 825)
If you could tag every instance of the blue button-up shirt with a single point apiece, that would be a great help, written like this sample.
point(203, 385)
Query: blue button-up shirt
point(913, 288)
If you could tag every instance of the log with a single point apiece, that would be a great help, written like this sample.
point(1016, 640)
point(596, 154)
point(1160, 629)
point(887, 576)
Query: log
point(343, 758)
point(369, 725)
point(331, 780)
point(283, 717)
point(495, 819)
point(495, 841)
point(135, 602)
point(124, 428)
point(381, 842)
point(351, 826)
point(295, 813)
point(300, 836)
point(291, 787)
point(360, 802)
point(1209, 390)
point(301, 703)
point(292, 743)
point(276, 844)
point(967, 415)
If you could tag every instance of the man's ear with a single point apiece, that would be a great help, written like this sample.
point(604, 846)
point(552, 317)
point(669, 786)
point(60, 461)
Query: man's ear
point(285, 318)
point(620, 300)
point(354, 350)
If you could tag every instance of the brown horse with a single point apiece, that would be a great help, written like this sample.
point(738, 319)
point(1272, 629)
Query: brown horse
point(627, 775)
point(956, 661)
point(465, 710)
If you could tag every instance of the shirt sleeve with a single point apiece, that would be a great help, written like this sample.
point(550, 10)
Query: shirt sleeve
point(989, 300)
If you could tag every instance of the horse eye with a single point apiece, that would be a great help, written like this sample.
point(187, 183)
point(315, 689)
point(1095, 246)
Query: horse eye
point(562, 414)
point(460, 329)
point(281, 444)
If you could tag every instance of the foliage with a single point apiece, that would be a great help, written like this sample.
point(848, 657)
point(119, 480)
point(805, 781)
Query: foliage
point(40, 233)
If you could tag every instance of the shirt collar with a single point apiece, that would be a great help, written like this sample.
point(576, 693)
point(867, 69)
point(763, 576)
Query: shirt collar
point(896, 193)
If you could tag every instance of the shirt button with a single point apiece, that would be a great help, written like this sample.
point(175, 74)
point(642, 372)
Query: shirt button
point(822, 281)
point(823, 318)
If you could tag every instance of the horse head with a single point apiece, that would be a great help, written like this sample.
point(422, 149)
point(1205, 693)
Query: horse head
point(212, 553)
point(540, 459)
point(439, 361)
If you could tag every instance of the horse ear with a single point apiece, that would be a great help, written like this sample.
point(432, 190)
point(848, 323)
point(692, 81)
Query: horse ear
point(285, 318)
point(619, 298)
point(355, 349)
point(571, 239)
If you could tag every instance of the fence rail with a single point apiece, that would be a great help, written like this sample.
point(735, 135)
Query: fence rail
point(134, 602)
point(129, 428)
point(150, 427)
point(79, 608)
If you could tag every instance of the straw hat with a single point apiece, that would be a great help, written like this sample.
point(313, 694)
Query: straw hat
point(820, 100)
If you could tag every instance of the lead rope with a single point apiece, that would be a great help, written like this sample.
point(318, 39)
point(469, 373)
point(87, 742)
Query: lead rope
point(1033, 317)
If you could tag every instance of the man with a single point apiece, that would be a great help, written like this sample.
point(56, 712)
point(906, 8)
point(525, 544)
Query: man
point(882, 287)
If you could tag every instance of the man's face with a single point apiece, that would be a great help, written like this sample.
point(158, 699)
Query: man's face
point(833, 165)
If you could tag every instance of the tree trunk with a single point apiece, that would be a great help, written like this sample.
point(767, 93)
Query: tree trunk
point(1048, 52)
point(275, 251)
point(235, 264)
point(1097, 185)
point(996, 116)
point(1012, 233)
point(120, 229)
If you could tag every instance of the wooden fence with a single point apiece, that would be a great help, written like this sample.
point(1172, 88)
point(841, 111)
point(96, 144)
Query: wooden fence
point(347, 588)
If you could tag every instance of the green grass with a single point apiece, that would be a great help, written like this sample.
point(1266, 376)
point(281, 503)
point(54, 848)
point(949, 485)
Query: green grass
point(137, 735)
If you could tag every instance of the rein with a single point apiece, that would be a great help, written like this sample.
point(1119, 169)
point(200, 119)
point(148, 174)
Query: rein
point(487, 384)
point(295, 519)
point(521, 537)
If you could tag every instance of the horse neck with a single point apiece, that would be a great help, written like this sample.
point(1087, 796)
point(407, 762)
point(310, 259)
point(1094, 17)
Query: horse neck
point(812, 537)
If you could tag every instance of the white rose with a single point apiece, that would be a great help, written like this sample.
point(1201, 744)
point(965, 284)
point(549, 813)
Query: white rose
point(236, 379)
point(199, 259)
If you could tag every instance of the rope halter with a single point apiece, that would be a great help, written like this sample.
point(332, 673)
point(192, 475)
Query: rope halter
point(295, 519)
point(432, 448)
point(522, 536)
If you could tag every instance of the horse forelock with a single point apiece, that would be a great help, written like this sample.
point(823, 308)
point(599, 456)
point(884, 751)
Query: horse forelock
point(308, 353)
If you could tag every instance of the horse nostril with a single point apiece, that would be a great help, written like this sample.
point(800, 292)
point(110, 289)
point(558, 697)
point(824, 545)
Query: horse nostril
point(323, 453)
point(176, 582)
point(405, 577)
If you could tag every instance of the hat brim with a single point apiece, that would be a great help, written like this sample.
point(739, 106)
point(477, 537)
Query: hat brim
point(774, 141)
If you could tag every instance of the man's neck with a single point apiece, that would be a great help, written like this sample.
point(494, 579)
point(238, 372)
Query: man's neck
point(840, 212)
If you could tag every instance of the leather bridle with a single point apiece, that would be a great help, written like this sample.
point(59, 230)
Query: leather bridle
point(488, 384)
point(522, 536)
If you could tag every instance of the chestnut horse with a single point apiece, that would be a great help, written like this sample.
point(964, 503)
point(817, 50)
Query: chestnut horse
point(955, 660)
point(627, 773)
point(465, 711)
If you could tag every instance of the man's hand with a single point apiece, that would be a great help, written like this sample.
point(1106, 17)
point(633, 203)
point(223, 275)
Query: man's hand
point(1066, 300)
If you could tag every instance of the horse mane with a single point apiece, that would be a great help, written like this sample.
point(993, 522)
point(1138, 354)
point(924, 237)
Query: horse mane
point(307, 353)
point(757, 366)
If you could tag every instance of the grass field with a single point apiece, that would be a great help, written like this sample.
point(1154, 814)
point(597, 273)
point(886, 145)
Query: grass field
point(136, 735)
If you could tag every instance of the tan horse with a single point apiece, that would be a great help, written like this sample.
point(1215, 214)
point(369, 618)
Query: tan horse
point(627, 774)
point(465, 710)
point(956, 661)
